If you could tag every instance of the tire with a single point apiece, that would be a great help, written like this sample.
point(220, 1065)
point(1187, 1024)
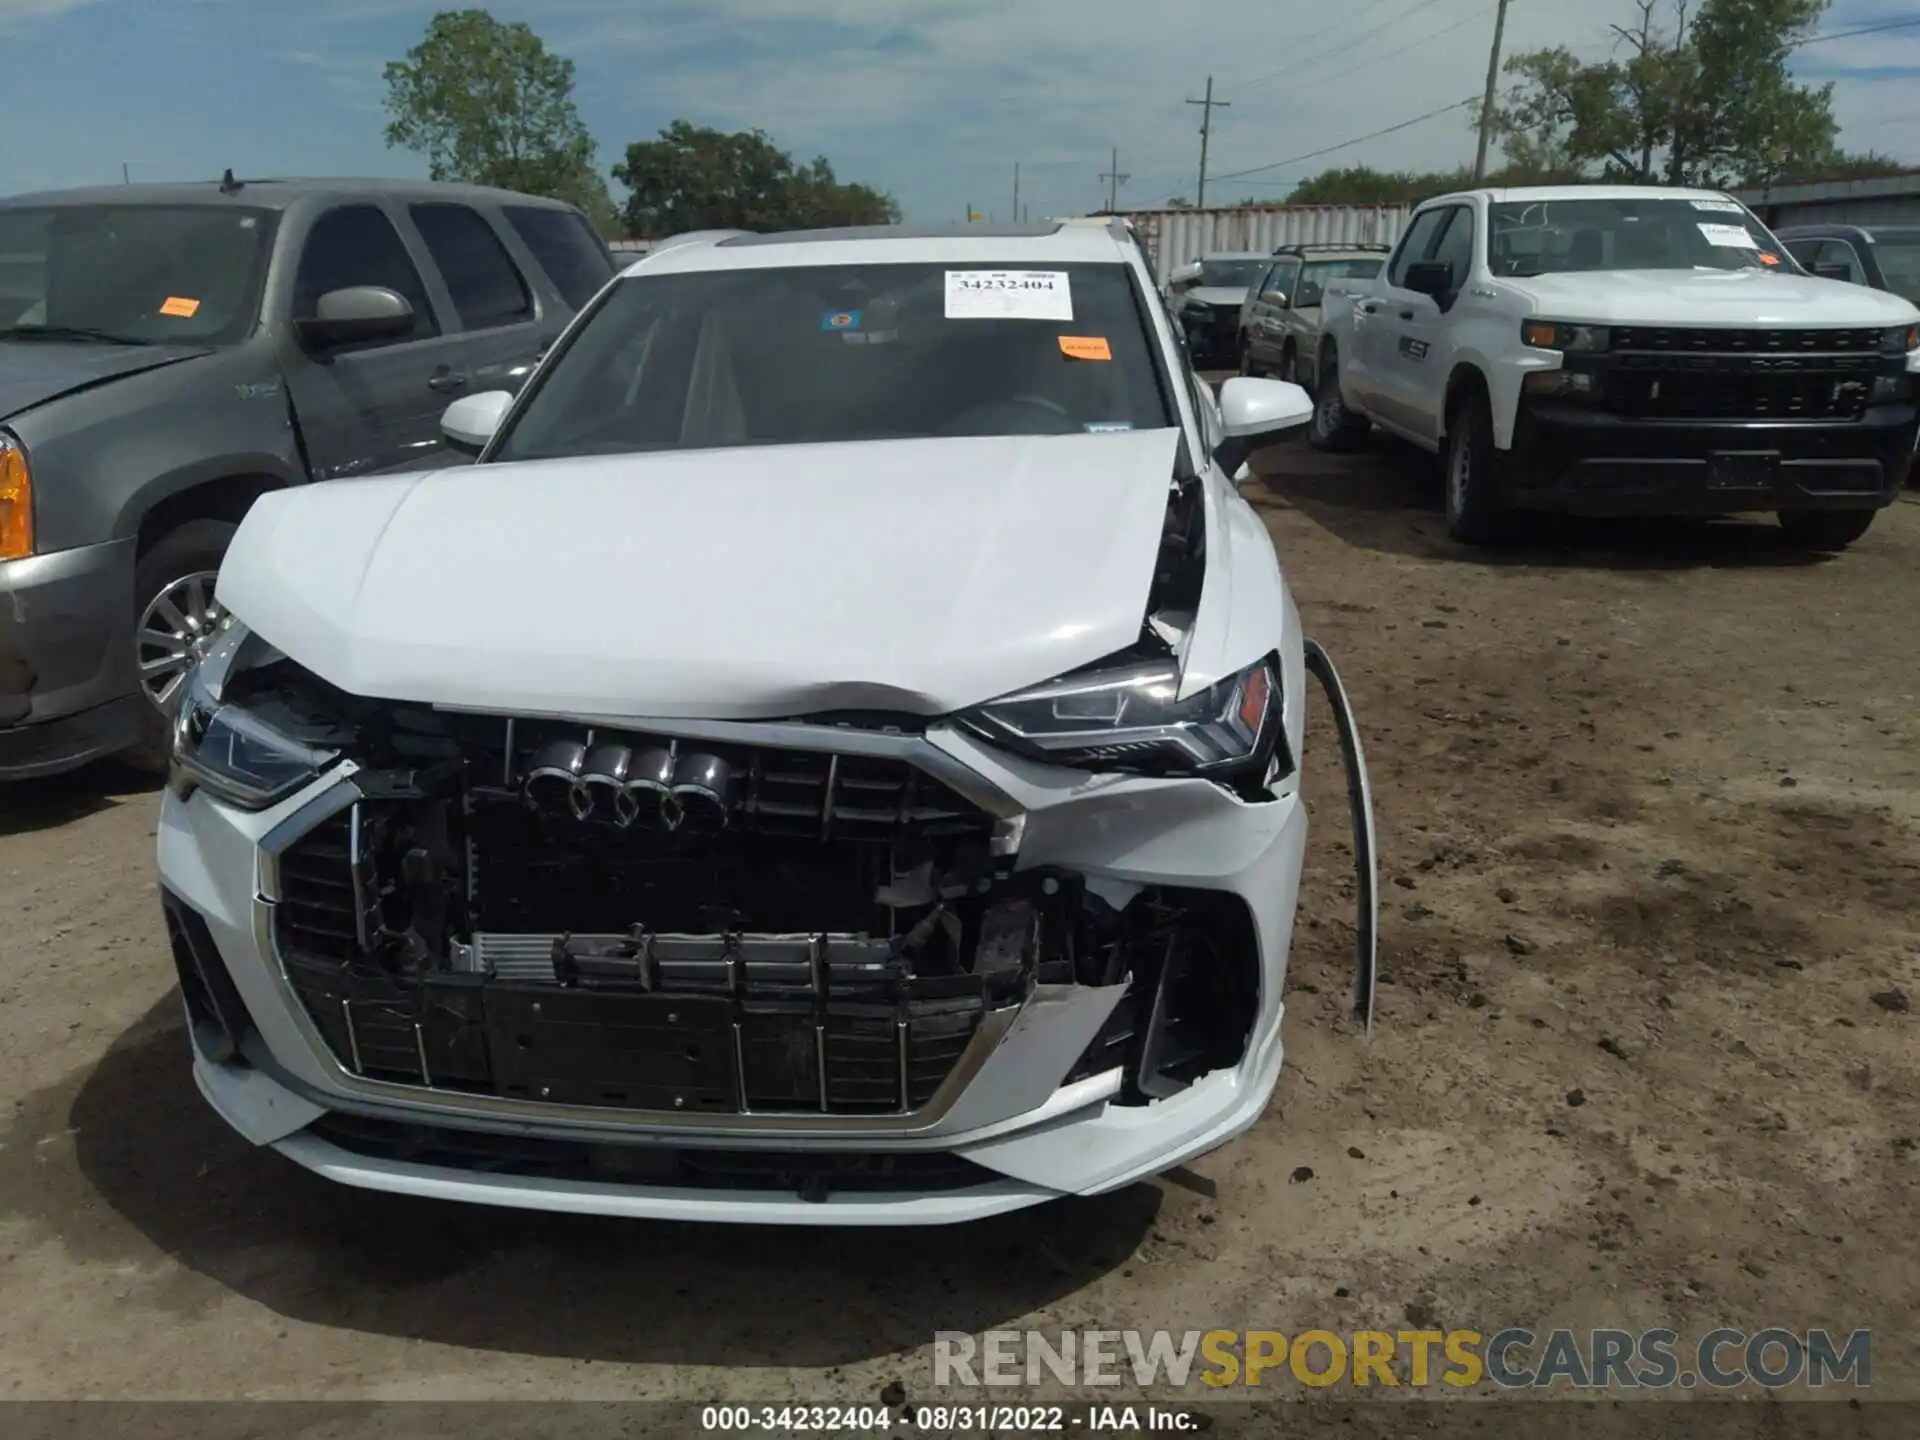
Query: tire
point(1335, 428)
point(169, 569)
point(1476, 514)
point(1828, 530)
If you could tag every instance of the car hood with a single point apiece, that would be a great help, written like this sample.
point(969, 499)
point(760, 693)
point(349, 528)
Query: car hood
point(1218, 294)
point(907, 576)
point(33, 372)
point(1708, 297)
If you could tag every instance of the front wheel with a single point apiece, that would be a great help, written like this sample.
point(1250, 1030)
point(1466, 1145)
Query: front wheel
point(177, 621)
point(1476, 514)
point(1334, 426)
point(1829, 530)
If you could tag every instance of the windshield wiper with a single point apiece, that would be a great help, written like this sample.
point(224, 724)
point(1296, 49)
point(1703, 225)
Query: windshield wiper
point(69, 332)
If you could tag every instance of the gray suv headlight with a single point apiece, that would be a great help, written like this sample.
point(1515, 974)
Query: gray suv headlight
point(229, 750)
point(1127, 717)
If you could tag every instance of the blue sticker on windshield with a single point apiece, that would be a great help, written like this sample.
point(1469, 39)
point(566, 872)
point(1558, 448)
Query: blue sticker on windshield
point(842, 320)
point(1107, 427)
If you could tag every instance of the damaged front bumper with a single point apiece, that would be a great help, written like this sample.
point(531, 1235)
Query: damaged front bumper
point(417, 989)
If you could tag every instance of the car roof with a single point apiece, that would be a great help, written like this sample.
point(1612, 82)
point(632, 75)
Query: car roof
point(1056, 243)
point(1233, 255)
point(1502, 195)
point(274, 194)
point(1311, 253)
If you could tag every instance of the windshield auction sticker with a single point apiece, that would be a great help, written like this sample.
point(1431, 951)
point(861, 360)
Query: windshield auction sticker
point(1730, 237)
point(1724, 207)
point(1008, 295)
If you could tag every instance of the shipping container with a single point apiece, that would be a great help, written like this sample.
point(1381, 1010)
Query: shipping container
point(1173, 237)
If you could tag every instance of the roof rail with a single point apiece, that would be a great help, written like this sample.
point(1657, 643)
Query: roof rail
point(695, 237)
point(1331, 245)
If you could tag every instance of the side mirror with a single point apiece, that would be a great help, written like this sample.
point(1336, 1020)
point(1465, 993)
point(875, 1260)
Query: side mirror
point(1429, 277)
point(1843, 273)
point(1276, 298)
point(470, 422)
point(356, 315)
point(1256, 413)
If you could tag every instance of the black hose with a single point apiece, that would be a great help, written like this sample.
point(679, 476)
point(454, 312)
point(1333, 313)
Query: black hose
point(1366, 925)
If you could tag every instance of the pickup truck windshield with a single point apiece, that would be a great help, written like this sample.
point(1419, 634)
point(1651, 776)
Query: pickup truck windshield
point(131, 274)
point(1546, 237)
point(805, 355)
point(1232, 274)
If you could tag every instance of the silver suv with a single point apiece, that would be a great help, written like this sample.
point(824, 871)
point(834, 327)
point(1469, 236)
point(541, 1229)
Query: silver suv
point(1280, 321)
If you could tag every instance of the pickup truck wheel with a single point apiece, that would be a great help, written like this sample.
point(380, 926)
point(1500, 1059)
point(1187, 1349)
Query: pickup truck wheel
point(1475, 513)
point(177, 620)
point(1825, 529)
point(1335, 427)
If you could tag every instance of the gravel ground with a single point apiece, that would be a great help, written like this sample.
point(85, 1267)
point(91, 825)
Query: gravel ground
point(1649, 799)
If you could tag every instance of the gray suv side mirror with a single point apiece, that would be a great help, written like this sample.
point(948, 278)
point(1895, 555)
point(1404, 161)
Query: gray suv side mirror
point(356, 315)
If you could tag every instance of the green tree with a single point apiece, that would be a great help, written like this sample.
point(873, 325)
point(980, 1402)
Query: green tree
point(1700, 94)
point(487, 103)
point(695, 178)
point(1363, 185)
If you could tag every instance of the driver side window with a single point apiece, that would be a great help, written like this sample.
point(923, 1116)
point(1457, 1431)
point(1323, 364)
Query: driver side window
point(1456, 245)
point(1417, 243)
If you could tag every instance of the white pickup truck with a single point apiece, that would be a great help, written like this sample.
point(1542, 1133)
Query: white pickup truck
point(1616, 350)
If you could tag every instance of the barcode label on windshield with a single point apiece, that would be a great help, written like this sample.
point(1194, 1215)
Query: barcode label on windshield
point(1730, 237)
point(1008, 295)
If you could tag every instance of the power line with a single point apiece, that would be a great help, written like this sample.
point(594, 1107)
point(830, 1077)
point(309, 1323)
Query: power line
point(1297, 61)
point(1863, 30)
point(1390, 54)
point(1346, 144)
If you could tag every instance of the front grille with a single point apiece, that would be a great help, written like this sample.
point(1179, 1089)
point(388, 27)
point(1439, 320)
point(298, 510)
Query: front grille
point(316, 913)
point(1683, 340)
point(1674, 373)
point(810, 1173)
point(751, 969)
point(1668, 394)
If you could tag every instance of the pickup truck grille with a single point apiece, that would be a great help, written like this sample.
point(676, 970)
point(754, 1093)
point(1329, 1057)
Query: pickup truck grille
point(1680, 340)
point(1669, 373)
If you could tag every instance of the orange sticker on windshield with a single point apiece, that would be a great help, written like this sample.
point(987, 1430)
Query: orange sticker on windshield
point(179, 305)
point(1085, 347)
point(1767, 257)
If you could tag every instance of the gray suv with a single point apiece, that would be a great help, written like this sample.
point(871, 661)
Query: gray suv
point(169, 353)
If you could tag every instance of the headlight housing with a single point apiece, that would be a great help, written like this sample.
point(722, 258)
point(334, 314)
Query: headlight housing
point(16, 501)
point(1575, 339)
point(1126, 717)
point(228, 749)
point(1901, 340)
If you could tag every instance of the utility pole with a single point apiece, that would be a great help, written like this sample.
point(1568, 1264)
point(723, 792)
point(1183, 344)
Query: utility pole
point(126, 177)
point(1208, 106)
point(1486, 103)
point(1016, 192)
point(1114, 180)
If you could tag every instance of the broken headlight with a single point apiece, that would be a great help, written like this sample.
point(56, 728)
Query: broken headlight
point(1130, 718)
point(228, 749)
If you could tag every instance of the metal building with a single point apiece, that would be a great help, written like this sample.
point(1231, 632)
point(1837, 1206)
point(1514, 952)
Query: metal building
point(1894, 200)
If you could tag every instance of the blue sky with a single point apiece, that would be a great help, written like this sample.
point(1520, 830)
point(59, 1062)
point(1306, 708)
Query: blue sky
point(934, 100)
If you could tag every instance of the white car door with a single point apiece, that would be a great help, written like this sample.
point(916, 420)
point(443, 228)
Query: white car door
point(1371, 371)
point(1412, 328)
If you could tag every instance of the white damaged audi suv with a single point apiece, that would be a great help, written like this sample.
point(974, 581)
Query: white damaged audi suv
point(834, 758)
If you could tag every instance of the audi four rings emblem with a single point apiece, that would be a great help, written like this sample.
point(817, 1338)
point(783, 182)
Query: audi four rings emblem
point(654, 788)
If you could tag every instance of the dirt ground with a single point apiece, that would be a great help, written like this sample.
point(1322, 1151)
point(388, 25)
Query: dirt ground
point(1650, 802)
